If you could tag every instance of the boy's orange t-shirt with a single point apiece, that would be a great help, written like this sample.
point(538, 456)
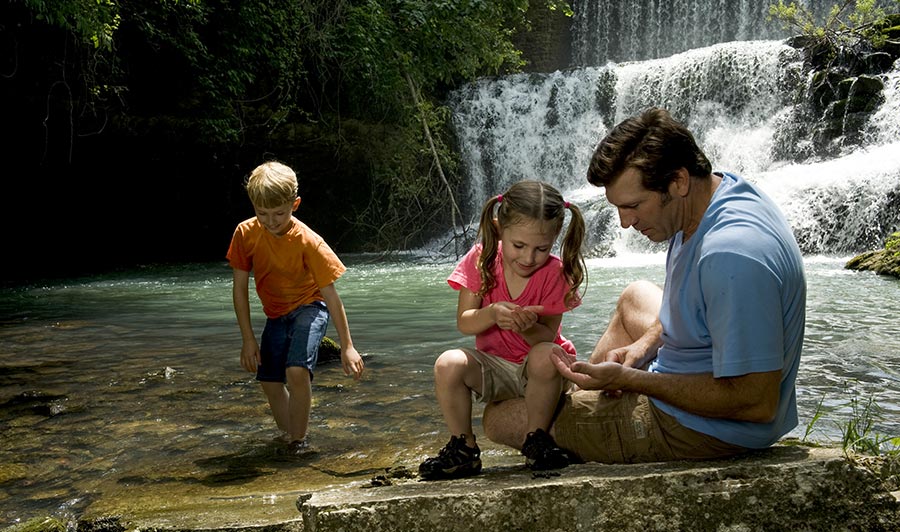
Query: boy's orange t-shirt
point(289, 269)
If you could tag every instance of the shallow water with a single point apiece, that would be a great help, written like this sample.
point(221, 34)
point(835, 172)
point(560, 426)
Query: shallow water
point(119, 383)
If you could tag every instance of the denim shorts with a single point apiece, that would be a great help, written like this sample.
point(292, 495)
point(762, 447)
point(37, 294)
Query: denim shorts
point(292, 340)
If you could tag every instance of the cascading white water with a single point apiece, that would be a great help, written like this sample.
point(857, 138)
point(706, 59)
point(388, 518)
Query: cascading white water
point(738, 98)
point(614, 31)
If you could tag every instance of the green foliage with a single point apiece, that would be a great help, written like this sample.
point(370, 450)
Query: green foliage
point(397, 58)
point(236, 55)
point(553, 5)
point(858, 433)
point(892, 244)
point(236, 72)
point(94, 22)
point(849, 23)
point(814, 420)
point(436, 43)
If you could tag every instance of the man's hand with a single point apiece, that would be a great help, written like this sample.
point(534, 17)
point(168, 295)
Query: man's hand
point(587, 376)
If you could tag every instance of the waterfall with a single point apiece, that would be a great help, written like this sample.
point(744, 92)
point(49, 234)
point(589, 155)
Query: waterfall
point(614, 31)
point(740, 100)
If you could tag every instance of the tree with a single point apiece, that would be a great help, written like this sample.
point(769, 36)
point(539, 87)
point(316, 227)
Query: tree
point(848, 24)
point(185, 76)
point(403, 55)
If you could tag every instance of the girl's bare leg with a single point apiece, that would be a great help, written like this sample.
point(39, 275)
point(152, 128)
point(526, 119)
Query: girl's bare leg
point(456, 374)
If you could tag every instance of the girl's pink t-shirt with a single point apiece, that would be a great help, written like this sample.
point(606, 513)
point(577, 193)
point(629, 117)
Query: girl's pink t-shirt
point(547, 286)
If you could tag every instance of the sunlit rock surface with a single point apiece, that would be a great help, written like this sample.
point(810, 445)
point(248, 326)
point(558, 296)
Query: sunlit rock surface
point(884, 261)
point(788, 487)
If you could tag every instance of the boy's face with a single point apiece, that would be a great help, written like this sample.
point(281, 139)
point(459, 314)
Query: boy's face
point(277, 220)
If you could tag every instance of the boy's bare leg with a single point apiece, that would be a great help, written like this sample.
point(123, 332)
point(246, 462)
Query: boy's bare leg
point(300, 401)
point(278, 398)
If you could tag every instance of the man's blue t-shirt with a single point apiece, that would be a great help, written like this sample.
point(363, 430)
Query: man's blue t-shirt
point(734, 302)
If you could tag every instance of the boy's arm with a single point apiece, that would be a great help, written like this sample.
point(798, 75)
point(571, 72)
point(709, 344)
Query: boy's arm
point(240, 295)
point(350, 359)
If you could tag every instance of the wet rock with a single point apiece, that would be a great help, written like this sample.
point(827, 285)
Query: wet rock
point(39, 524)
point(329, 350)
point(884, 262)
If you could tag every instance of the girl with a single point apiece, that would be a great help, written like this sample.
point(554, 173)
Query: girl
point(512, 294)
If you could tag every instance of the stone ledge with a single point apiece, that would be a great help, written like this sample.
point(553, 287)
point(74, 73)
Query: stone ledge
point(787, 487)
point(783, 488)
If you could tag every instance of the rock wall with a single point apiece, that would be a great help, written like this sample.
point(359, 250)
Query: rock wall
point(547, 45)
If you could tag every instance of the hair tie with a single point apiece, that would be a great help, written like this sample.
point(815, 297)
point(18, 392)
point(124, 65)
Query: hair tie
point(566, 204)
point(499, 198)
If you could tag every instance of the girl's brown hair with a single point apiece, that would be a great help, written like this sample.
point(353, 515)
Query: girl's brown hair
point(526, 201)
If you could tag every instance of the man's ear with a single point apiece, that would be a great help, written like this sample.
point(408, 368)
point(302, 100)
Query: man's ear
point(682, 182)
point(296, 204)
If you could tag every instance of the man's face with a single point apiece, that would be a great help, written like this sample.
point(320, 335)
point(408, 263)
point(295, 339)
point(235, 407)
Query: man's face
point(654, 214)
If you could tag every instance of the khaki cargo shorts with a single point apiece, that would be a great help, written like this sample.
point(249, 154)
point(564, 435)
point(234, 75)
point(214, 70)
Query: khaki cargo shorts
point(629, 429)
point(501, 379)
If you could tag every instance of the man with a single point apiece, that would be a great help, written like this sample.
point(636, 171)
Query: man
point(705, 367)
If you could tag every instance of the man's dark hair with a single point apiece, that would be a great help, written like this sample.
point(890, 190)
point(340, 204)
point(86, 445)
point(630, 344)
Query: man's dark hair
point(655, 144)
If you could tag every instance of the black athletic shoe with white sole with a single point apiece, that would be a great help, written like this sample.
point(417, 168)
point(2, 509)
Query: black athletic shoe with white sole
point(455, 460)
point(542, 453)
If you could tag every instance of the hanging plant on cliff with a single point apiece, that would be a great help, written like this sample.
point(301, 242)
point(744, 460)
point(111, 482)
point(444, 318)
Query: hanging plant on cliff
point(849, 24)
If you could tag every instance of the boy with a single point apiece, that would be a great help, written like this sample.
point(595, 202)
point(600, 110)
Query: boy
point(294, 270)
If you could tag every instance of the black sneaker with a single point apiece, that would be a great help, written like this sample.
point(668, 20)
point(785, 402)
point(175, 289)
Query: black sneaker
point(455, 460)
point(542, 453)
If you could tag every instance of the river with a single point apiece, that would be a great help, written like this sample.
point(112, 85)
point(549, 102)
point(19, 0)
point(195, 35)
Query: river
point(128, 384)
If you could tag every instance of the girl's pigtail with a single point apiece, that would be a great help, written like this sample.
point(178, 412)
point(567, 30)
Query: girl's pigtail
point(489, 241)
point(573, 260)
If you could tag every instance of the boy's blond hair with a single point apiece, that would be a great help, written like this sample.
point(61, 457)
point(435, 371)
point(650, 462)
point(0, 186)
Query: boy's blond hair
point(271, 184)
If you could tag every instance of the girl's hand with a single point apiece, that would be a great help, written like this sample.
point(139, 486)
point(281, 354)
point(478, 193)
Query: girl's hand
point(515, 318)
point(526, 317)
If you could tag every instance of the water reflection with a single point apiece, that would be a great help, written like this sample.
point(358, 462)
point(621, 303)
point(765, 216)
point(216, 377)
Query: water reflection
point(129, 385)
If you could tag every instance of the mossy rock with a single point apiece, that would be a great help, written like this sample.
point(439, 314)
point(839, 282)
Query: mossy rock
point(329, 350)
point(38, 524)
point(884, 262)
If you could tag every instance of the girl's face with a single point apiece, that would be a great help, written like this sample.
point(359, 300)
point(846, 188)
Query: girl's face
point(277, 220)
point(526, 246)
